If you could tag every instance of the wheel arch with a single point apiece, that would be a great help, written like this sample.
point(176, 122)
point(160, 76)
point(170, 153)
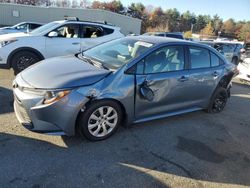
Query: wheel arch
point(225, 81)
point(93, 100)
point(23, 49)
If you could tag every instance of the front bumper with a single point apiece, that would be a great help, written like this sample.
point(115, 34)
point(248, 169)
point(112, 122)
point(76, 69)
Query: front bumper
point(57, 118)
point(3, 59)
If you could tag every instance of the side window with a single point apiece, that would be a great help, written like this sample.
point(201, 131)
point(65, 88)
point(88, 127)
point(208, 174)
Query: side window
point(107, 31)
point(92, 31)
point(68, 31)
point(199, 57)
point(22, 26)
point(215, 61)
point(140, 67)
point(239, 47)
point(170, 58)
point(227, 48)
point(160, 34)
point(34, 26)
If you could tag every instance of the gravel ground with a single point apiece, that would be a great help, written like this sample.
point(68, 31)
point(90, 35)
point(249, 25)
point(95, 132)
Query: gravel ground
point(191, 150)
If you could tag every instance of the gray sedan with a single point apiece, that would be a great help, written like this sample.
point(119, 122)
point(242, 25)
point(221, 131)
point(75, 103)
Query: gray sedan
point(128, 80)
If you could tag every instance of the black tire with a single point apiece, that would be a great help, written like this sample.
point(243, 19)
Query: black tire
point(218, 100)
point(84, 118)
point(235, 61)
point(22, 60)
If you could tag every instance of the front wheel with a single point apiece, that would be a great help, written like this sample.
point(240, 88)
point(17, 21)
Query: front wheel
point(218, 100)
point(23, 60)
point(100, 120)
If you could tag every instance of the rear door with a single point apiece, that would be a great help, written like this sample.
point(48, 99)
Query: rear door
point(93, 35)
point(67, 42)
point(204, 73)
point(163, 73)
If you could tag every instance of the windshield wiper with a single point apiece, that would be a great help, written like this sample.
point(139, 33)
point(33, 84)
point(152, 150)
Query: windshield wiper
point(95, 63)
point(88, 60)
point(105, 67)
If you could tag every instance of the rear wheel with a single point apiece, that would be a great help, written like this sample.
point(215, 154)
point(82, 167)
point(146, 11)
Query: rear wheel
point(100, 120)
point(218, 100)
point(22, 60)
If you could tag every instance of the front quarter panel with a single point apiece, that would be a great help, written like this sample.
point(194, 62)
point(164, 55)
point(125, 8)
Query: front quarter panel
point(117, 86)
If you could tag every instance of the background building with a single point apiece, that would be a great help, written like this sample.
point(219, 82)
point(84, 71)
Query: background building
point(11, 14)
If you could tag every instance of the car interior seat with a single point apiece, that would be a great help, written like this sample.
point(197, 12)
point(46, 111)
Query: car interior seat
point(155, 63)
point(69, 32)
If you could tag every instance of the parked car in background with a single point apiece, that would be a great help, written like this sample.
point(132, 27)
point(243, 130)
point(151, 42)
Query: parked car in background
point(244, 71)
point(24, 27)
point(245, 51)
point(132, 79)
point(230, 50)
point(20, 50)
point(166, 34)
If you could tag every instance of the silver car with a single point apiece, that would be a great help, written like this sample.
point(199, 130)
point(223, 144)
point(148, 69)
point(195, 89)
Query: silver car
point(20, 27)
point(230, 50)
point(128, 80)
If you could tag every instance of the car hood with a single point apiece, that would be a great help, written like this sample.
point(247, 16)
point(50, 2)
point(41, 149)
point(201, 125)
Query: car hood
point(12, 36)
point(62, 72)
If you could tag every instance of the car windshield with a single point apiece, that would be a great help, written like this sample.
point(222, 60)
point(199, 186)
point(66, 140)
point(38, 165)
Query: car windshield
point(43, 28)
point(118, 52)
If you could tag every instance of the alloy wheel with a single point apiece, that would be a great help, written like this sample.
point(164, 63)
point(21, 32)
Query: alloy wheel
point(102, 121)
point(24, 62)
point(219, 102)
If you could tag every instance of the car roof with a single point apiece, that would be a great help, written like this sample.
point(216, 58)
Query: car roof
point(220, 42)
point(164, 32)
point(163, 40)
point(167, 40)
point(87, 22)
point(30, 23)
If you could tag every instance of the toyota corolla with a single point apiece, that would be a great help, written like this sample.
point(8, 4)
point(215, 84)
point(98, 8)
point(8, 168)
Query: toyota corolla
point(128, 80)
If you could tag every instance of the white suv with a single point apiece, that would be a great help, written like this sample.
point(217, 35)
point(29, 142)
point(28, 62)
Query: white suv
point(20, 50)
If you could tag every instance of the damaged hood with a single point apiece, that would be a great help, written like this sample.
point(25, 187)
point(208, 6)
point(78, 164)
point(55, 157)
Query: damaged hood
point(62, 72)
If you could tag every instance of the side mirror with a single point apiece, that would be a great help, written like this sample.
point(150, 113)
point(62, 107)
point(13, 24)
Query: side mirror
point(146, 92)
point(53, 34)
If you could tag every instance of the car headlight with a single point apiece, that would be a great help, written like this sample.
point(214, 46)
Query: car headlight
point(6, 42)
point(53, 96)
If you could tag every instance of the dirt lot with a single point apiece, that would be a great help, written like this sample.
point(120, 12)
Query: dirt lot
point(191, 150)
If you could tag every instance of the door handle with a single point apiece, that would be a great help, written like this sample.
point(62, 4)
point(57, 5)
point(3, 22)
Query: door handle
point(215, 74)
point(76, 43)
point(183, 79)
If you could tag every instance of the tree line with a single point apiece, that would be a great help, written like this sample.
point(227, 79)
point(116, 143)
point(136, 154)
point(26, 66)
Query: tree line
point(157, 19)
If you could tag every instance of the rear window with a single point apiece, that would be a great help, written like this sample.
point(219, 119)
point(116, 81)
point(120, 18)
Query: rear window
point(34, 26)
point(215, 61)
point(199, 57)
point(107, 31)
point(174, 36)
point(159, 34)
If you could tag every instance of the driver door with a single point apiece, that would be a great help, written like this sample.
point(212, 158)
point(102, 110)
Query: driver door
point(163, 74)
point(66, 42)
